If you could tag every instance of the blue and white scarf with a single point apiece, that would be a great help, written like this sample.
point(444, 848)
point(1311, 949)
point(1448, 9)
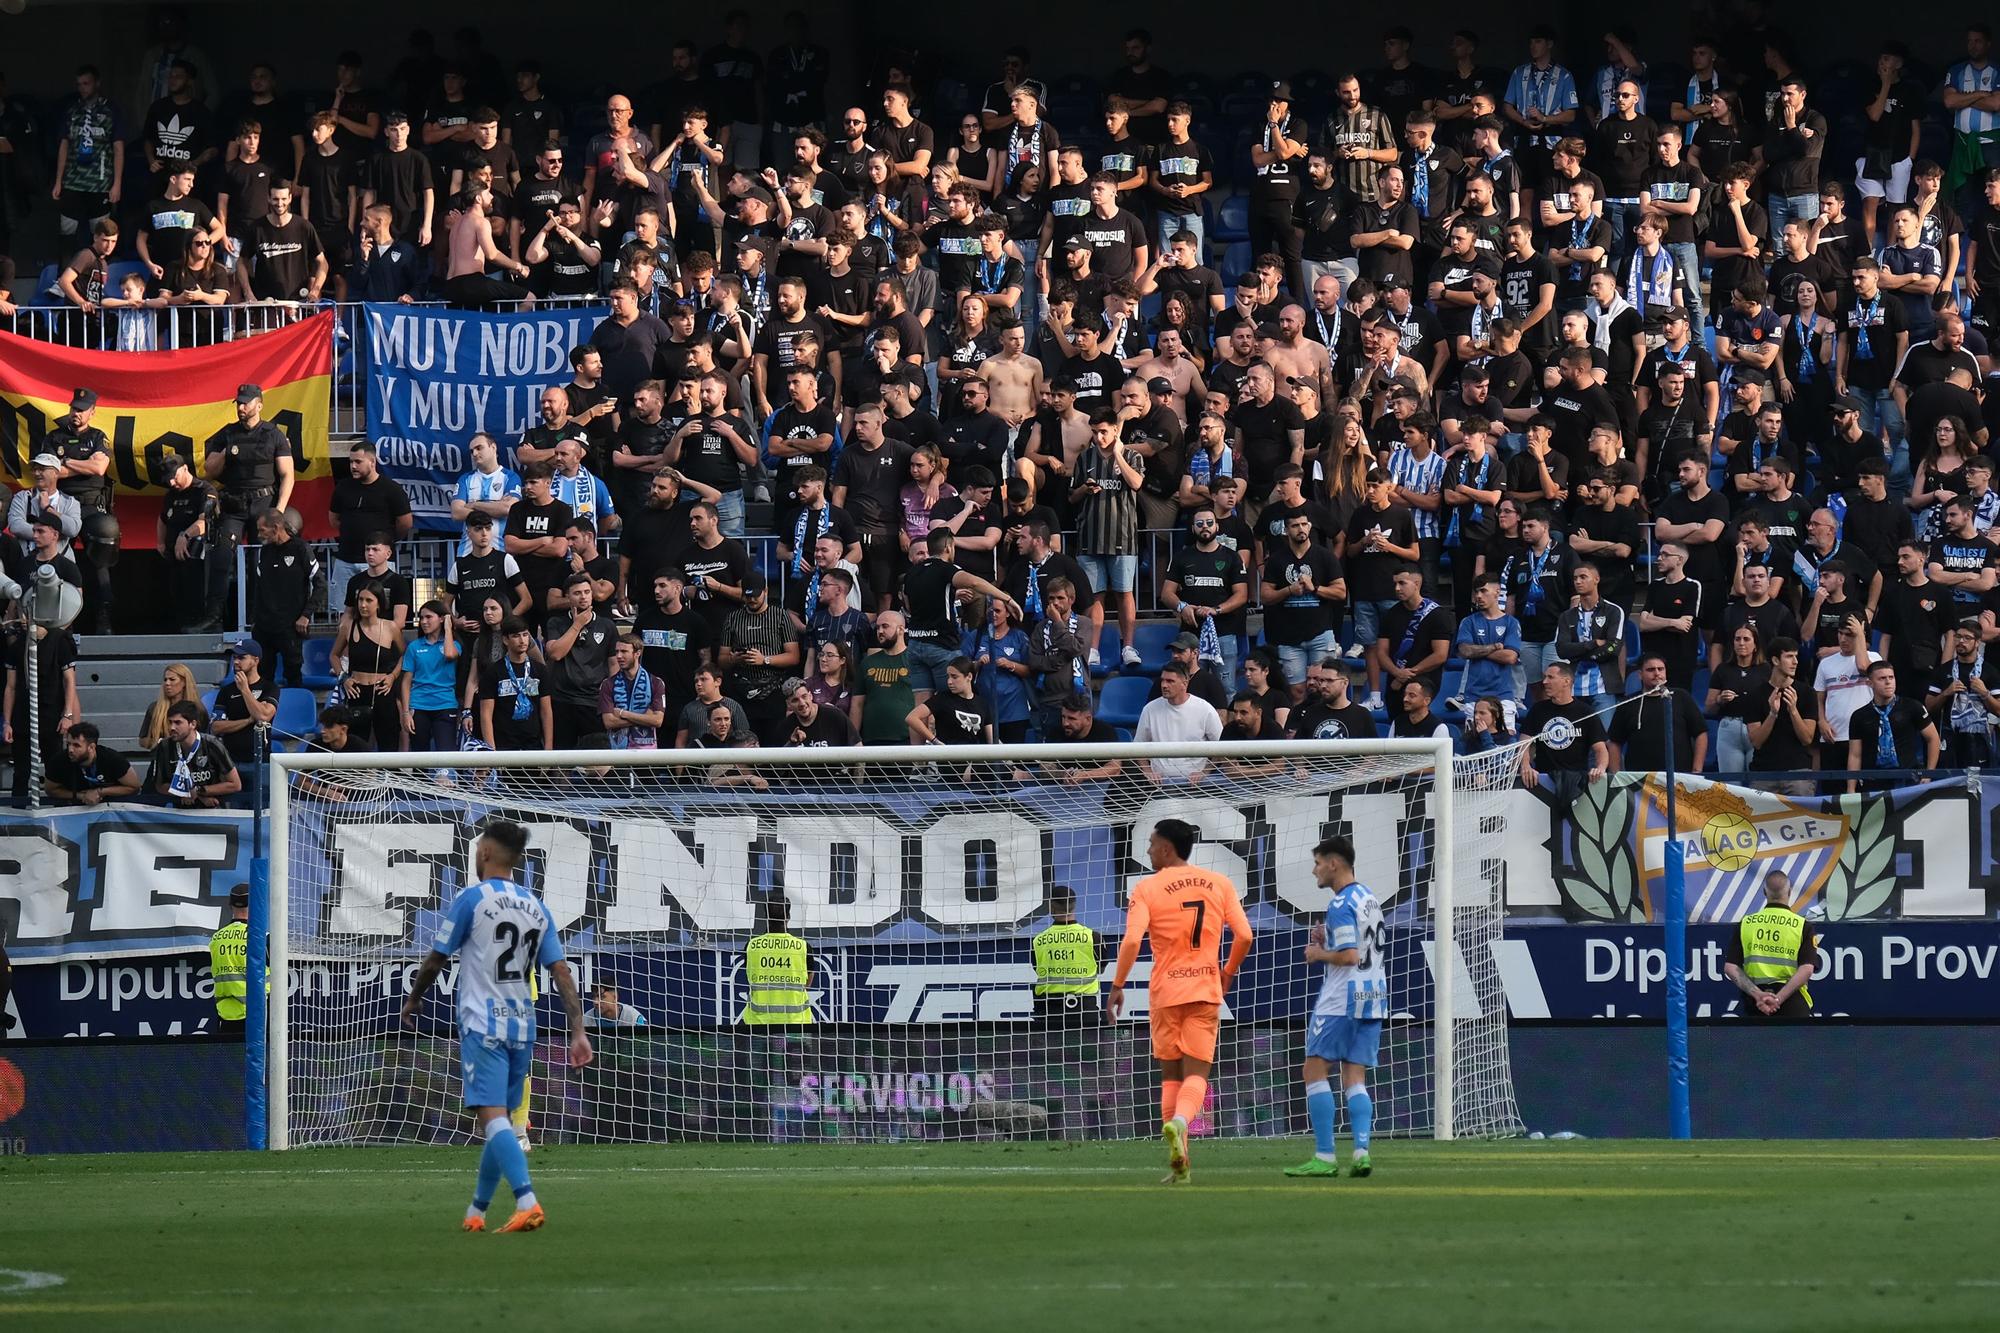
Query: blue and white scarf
point(633, 694)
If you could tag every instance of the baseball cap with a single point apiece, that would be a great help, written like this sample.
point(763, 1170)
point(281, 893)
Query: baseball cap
point(1076, 243)
point(247, 392)
point(1392, 283)
point(761, 195)
point(246, 648)
point(1159, 384)
point(83, 400)
point(1750, 375)
point(1269, 329)
point(755, 582)
point(46, 460)
point(1845, 402)
point(1186, 642)
point(1281, 91)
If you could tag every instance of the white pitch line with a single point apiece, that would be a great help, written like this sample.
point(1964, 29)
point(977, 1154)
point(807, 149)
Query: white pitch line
point(18, 1280)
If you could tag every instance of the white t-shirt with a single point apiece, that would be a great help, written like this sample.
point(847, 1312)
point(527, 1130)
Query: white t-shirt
point(1845, 685)
point(1194, 720)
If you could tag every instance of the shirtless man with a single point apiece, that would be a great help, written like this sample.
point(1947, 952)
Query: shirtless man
point(472, 249)
point(1056, 437)
point(1295, 356)
point(1014, 381)
point(1170, 361)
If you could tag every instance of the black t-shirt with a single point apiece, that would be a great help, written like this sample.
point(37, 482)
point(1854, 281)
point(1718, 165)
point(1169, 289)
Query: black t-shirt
point(982, 563)
point(710, 458)
point(528, 519)
point(208, 764)
point(1267, 442)
point(1305, 615)
point(1907, 722)
point(1538, 590)
point(1314, 721)
point(1705, 559)
point(399, 180)
point(1437, 625)
point(361, 511)
point(179, 134)
point(326, 179)
point(170, 224)
point(1641, 730)
point(981, 439)
point(516, 692)
point(1671, 601)
point(579, 673)
point(960, 721)
point(230, 706)
point(652, 539)
point(1378, 262)
point(1783, 751)
point(1521, 283)
point(791, 423)
point(874, 481)
point(1563, 734)
point(1210, 578)
point(474, 578)
point(726, 562)
point(107, 770)
point(673, 643)
point(1371, 573)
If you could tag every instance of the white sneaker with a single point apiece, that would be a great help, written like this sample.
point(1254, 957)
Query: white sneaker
point(1095, 660)
point(1372, 702)
point(1355, 654)
point(1131, 655)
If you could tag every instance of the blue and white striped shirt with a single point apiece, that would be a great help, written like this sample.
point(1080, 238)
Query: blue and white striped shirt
point(1550, 91)
point(501, 934)
point(1424, 476)
point(586, 496)
point(499, 484)
point(1966, 77)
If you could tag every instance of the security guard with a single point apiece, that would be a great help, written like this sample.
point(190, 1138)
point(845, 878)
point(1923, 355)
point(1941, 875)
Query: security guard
point(86, 478)
point(1772, 955)
point(1066, 965)
point(774, 967)
point(251, 460)
point(229, 961)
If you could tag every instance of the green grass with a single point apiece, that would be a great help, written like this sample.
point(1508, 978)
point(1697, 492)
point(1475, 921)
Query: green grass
point(1473, 1236)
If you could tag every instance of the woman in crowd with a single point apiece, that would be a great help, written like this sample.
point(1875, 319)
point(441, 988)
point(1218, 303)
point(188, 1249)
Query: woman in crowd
point(976, 164)
point(1939, 464)
point(1264, 677)
point(429, 682)
point(371, 660)
point(1345, 466)
point(176, 686)
point(1737, 693)
point(1805, 364)
point(1000, 649)
point(832, 678)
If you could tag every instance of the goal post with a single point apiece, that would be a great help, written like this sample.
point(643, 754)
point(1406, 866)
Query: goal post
point(918, 877)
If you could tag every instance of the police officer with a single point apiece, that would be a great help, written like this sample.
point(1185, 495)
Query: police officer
point(774, 966)
point(251, 460)
point(86, 478)
point(187, 518)
point(1772, 955)
point(1066, 965)
point(229, 961)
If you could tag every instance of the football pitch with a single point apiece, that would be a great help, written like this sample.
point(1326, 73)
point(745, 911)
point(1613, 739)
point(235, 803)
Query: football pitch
point(1466, 1236)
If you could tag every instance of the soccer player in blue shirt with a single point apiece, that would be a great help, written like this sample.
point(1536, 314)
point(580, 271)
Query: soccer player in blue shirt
point(1347, 1020)
point(501, 933)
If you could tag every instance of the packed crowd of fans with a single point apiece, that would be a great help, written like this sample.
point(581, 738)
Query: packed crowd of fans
point(1533, 392)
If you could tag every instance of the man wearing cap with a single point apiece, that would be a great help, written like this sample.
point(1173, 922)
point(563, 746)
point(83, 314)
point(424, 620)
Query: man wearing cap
point(1203, 681)
point(252, 461)
point(181, 535)
point(1277, 156)
point(248, 700)
point(229, 963)
point(759, 648)
point(85, 476)
point(29, 506)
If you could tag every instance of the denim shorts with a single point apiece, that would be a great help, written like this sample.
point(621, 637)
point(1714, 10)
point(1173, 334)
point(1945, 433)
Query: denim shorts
point(1110, 573)
point(927, 664)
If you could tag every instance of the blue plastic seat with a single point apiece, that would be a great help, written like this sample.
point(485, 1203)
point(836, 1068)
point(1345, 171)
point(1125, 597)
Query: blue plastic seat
point(1123, 699)
point(1232, 218)
point(1110, 646)
point(316, 669)
point(298, 716)
point(1153, 639)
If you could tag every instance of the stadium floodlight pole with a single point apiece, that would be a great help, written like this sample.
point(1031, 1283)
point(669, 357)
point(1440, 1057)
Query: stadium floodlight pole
point(1674, 877)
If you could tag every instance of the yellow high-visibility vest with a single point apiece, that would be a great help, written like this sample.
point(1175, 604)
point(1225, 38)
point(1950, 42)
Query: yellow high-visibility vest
point(1066, 960)
point(1771, 947)
point(774, 965)
point(229, 966)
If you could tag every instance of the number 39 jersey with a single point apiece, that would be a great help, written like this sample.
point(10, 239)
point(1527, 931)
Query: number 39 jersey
point(501, 934)
point(1359, 989)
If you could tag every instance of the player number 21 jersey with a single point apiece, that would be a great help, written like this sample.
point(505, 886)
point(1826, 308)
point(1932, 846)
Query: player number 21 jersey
point(1359, 989)
point(501, 934)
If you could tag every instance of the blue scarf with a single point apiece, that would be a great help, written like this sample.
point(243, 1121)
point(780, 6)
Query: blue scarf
point(1532, 601)
point(1425, 606)
point(1209, 649)
point(1032, 602)
point(1451, 537)
point(991, 271)
point(1652, 286)
point(1885, 739)
point(1808, 363)
point(1589, 674)
point(523, 705)
point(1420, 186)
point(624, 690)
point(1864, 350)
point(1579, 232)
point(806, 532)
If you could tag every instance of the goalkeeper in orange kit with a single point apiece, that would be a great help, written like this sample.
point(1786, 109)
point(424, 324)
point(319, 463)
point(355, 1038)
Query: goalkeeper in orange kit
point(1183, 909)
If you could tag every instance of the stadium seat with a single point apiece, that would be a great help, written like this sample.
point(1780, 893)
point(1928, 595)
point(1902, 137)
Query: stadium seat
point(1153, 638)
point(208, 702)
point(298, 715)
point(1123, 699)
point(1109, 647)
point(1232, 218)
point(1236, 260)
point(316, 671)
point(119, 268)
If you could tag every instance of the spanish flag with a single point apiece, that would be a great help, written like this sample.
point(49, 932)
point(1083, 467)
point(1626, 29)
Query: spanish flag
point(152, 403)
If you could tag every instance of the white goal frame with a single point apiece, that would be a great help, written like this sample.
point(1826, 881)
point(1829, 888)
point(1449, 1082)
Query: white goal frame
point(1443, 900)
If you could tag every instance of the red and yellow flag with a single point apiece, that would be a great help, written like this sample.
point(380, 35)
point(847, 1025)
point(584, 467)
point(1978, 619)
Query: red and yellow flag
point(150, 403)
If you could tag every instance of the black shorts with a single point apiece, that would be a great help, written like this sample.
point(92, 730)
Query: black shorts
point(338, 243)
point(479, 291)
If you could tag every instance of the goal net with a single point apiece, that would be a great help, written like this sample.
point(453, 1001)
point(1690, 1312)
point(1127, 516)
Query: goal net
point(918, 879)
